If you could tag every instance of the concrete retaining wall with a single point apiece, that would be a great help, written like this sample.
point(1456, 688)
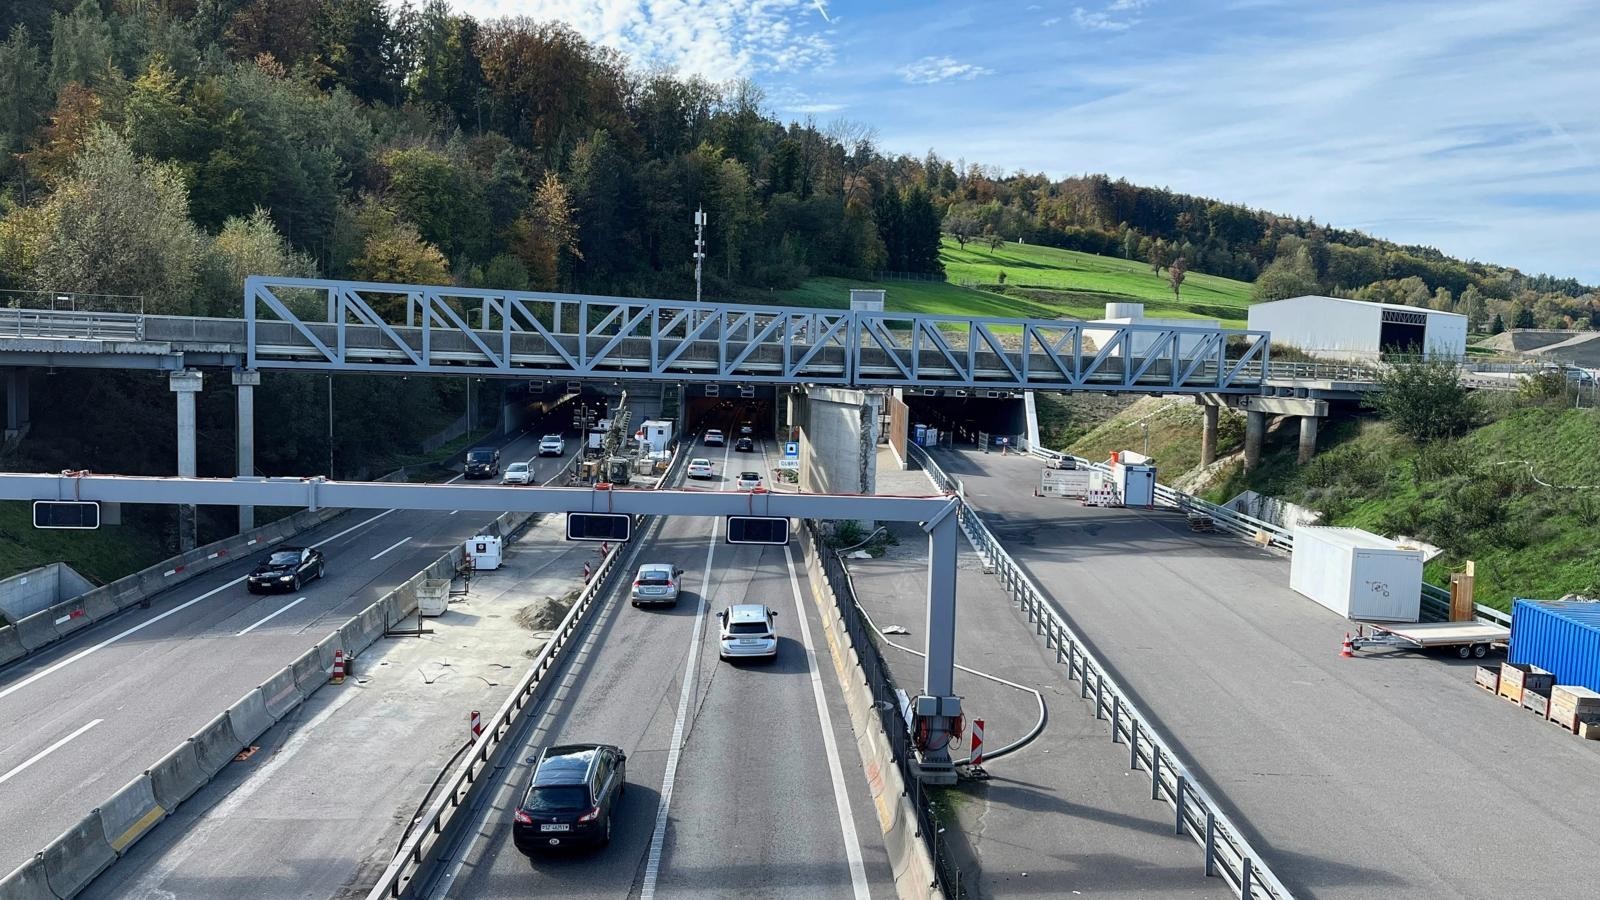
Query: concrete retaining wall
point(909, 858)
point(37, 589)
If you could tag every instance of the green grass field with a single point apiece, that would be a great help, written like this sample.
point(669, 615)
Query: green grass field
point(1041, 283)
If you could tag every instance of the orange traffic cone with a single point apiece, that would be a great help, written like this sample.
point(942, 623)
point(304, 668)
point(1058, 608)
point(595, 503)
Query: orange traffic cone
point(1349, 649)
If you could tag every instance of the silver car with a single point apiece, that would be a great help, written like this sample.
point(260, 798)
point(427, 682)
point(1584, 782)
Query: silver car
point(748, 632)
point(656, 583)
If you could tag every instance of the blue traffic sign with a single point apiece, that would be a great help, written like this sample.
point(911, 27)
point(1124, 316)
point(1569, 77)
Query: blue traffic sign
point(791, 448)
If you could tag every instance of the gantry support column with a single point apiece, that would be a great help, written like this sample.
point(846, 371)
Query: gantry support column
point(938, 704)
point(245, 383)
point(186, 384)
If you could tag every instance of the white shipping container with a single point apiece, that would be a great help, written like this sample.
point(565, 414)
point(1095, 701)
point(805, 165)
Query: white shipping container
point(1357, 574)
point(1135, 478)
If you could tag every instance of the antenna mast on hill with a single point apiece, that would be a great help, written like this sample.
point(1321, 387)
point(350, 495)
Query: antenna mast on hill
point(699, 248)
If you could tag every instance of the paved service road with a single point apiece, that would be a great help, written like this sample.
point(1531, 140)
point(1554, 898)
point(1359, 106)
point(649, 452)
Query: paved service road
point(767, 796)
point(87, 715)
point(1389, 775)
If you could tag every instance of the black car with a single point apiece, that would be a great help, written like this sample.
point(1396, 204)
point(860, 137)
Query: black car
point(744, 445)
point(482, 462)
point(572, 799)
point(286, 569)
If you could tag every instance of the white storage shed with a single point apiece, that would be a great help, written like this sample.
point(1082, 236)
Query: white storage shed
point(1357, 574)
point(1358, 330)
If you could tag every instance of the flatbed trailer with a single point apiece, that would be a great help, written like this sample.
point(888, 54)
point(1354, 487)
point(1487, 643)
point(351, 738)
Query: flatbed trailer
point(1467, 639)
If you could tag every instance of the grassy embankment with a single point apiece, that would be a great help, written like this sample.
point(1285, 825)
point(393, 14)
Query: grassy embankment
point(1041, 283)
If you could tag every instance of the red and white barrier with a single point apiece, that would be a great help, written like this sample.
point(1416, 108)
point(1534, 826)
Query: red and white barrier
point(338, 667)
point(477, 725)
point(977, 742)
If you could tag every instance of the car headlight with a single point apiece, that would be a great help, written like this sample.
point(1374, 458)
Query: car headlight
point(286, 578)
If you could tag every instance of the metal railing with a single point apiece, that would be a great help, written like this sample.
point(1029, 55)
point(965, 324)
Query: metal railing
point(886, 701)
point(60, 323)
point(1195, 814)
point(72, 301)
point(436, 828)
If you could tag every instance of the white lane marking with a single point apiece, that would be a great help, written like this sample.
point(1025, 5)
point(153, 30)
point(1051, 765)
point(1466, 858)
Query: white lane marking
point(392, 546)
point(830, 748)
point(153, 620)
point(454, 511)
point(269, 618)
point(47, 751)
point(658, 837)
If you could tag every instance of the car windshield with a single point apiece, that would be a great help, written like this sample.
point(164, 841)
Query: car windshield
point(747, 628)
point(655, 576)
point(284, 558)
point(518, 467)
point(480, 456)
point(557, 798)
point(749, 476)
point(700, 462)
point(713, 433)
point(552, 439)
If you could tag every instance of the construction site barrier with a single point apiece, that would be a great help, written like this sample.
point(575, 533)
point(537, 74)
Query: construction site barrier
point(28, 882)
point(249, 717)
point(130, 813)
point(279, 693)
point(73, 860)
point(178, 775)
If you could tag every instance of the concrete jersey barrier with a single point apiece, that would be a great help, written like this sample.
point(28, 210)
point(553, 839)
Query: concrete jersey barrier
point(27, 882)
point(73, 860)
point(178, 775)
point(218, 742)
point(130, 813)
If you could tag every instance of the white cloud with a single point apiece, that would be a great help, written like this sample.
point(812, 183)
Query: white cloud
point(719, 39)
point(1469, 129)
point(1053, 20)
point(934, 69)
point(1113, 18)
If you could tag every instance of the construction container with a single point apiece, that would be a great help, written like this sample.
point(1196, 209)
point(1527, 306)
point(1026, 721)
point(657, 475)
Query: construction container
point(484, 552)
point(1571, 705)
point(1515, 678)
point(433, 597)
point(1135, 477)
point(1559, 637)
point(1357, 574)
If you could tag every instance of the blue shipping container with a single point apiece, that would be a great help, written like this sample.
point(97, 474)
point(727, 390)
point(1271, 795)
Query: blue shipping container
point(1560, 637)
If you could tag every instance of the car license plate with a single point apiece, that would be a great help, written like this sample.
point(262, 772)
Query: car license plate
point(555, 827)
point(748, 642)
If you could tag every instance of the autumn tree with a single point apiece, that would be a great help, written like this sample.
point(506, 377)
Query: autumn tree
point(547, 234)
point(962, 226)
point(1176, 273)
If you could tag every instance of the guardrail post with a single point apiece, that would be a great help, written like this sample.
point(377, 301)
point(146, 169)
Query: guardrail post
point(1133, 746)
point(1155, 771)
point(1099, 697)
point(1246, 889)
point(1116, 716)
point(1183, 784)
point(1211, 844)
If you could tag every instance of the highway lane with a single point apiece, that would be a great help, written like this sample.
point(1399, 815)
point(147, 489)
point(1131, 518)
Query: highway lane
point(87, 715)
point(766, 796)
point(1386, 775)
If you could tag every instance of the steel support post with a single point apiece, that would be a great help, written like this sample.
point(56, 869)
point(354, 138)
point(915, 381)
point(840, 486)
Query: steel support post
point(245, 383)
point(938, 704)
point(186, 384)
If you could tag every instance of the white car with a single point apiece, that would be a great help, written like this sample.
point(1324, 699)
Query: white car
point(748, 632)
point(749, 481)
point(656, 583)
point(715, 438)
point(552, 445)
point(517, 473)
point(700, 467)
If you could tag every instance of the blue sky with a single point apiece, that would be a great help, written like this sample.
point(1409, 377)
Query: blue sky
point(1473, 127)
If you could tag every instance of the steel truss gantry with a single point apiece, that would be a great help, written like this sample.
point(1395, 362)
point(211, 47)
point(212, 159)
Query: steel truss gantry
point(323, 324)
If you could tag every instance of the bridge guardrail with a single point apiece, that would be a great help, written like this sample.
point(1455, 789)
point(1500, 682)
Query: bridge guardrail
point(1435, 600)
point(60, 323)
point(1196, 815)
point(437, 826)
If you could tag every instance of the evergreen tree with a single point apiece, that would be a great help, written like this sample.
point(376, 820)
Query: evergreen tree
point(24, 92)
point(1524, 317)
point(921, 232)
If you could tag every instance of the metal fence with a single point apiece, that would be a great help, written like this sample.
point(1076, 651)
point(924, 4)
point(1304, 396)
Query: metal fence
point(72, 301)
point(1227, 854)
point(886, 702)
point(62, 323)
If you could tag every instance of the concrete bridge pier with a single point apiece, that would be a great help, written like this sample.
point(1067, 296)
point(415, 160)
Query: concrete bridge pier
point(17, 414)
point(186, 384)
point(1258, 408)
point(1208, 433)
point(838, 440)
point(245, 382)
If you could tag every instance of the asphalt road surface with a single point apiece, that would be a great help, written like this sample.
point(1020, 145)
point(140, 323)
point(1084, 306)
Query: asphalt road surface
point(87, 715)
point(743, 779)
point(1388, 775)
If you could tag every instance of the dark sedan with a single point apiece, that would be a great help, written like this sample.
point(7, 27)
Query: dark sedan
point(286, 569)
point(482, 462)
point(744, 445)
point(572, 799)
